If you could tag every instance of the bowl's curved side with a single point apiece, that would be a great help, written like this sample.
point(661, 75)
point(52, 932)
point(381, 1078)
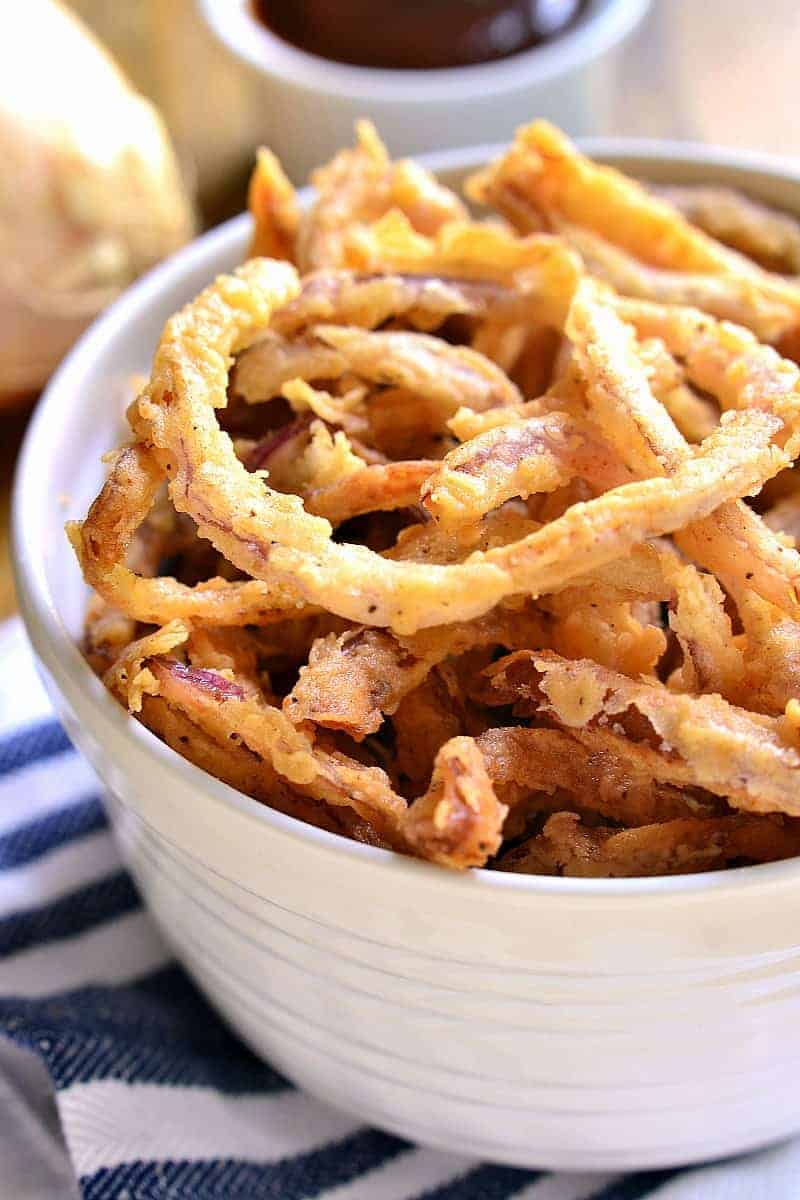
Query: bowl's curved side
point(536, 1021)
point(609, 1032)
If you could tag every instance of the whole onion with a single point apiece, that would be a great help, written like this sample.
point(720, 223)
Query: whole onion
point(90, 191)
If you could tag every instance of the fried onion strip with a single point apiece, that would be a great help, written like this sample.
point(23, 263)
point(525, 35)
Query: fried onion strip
point(725, 360)
point(543, 179)
point(522, 762)
point(450, 375)
point(425, 301)
point(606, 630)
point(273, 204)
point(459, 821)
point(539, 454)
point(353, 681)
point(453, 375)
point(771, 655)
point(712, 662)
point(567, 847)
point(269, 536)
point(702, 741)
point(731, 365)
point(377, 488)
point(694, 415)
point(771, 238)
point(358, 186)
point(240, 768)
point(213, 703)
point(725, 296)
point(541, 269)
point(103, 539)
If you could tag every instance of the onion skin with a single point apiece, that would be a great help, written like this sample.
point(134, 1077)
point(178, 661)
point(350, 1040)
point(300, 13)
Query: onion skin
point(90, 191)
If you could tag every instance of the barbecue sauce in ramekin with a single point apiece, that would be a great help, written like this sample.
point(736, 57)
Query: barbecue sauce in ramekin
point(399, 34)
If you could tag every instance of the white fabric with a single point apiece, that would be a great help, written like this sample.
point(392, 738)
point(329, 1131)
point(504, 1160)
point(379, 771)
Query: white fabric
point(34, 1164)
point(113, 1122)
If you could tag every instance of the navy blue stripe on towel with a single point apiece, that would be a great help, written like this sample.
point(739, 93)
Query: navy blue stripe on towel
point(486, 1182)
point(36, 743)
point(102, 900)
point(638, 1186)
point(30, 841)
point(300, 1178)
point(157, 1030)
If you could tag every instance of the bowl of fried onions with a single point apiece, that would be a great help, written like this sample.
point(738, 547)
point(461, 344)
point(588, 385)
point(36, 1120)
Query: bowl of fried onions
point(435, 631)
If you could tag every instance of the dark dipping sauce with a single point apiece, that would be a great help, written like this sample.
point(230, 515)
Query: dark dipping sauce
point(415, 34)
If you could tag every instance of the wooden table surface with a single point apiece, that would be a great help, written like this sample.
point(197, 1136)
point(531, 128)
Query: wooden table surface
point(707, 71)
point(724, 73)
point(11, 430)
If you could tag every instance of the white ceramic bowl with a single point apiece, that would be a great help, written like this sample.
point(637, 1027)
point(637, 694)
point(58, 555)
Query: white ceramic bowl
point(309, 104)
point(543, 1022)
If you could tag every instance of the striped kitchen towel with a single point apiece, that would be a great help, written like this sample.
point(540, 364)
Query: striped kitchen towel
point(118, 1081)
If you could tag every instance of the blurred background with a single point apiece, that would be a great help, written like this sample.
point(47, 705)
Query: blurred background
point(95, 186)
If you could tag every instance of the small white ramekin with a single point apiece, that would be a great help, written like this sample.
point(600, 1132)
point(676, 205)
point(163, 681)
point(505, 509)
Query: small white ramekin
point(309, 104)
point(543, 1022)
